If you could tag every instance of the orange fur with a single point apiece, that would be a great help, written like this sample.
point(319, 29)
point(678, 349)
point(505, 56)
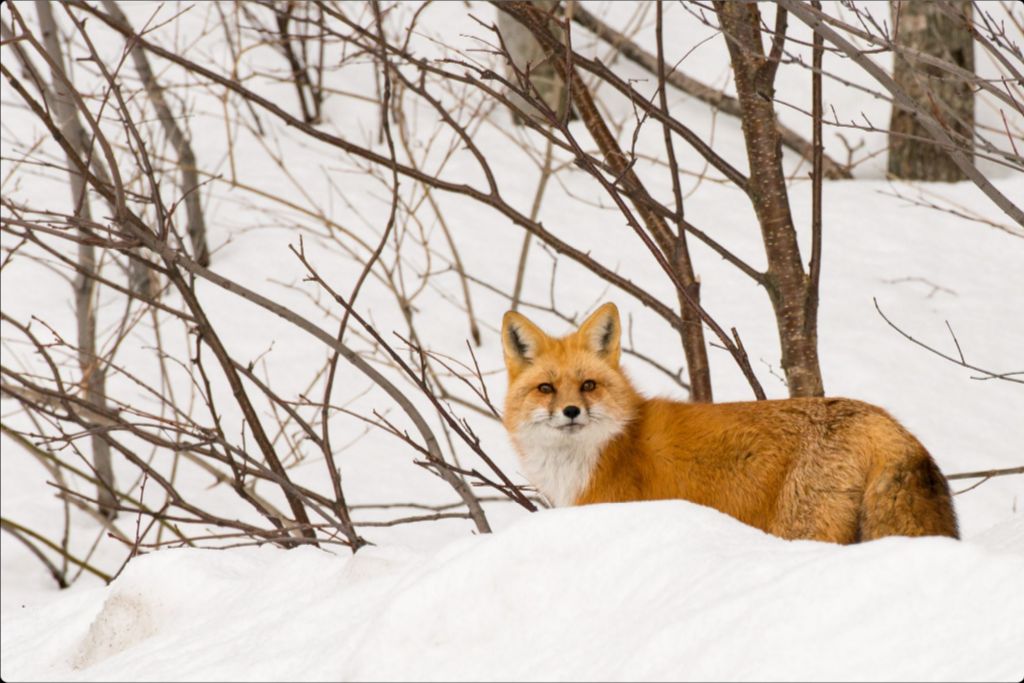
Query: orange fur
point(830, 469)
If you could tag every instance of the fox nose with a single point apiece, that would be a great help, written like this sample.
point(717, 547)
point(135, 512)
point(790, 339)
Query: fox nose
point(571, 412)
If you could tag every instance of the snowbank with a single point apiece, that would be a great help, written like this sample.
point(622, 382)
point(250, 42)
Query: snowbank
point(640, 591)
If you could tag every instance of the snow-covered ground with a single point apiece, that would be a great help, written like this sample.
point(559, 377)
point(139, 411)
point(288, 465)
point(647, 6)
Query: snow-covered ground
point(664, 590)
point(640, 591)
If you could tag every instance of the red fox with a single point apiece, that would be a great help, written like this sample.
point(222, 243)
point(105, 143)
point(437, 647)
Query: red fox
point(828, 469)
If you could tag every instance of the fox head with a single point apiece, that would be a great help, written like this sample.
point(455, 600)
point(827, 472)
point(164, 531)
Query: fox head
point(568, 392)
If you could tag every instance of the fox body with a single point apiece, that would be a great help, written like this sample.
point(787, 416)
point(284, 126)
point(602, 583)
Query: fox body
point(829, 469)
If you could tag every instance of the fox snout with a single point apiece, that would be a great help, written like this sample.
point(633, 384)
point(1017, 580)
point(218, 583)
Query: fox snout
point(574, 424)
point(570, 418)
point(571, 415)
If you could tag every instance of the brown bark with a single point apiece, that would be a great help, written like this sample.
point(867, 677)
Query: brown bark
point(789, 287)
point(818, 45)
point(924, 27)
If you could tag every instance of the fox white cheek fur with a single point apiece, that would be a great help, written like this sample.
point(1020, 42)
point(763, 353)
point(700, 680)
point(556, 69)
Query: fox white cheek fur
point(558, 463)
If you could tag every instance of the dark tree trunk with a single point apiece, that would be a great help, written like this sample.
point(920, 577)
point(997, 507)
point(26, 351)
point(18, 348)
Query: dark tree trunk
point(922, 25)
point(790, 289)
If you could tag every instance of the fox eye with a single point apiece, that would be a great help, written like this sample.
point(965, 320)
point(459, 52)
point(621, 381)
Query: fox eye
point(589, 385)
point(546, 388)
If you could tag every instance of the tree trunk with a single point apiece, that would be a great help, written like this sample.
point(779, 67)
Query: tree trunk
point(923, 26)
point(789, 287)
point(93, 375)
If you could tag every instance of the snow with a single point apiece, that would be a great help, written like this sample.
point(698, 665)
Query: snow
point(665, 590)
point(642, 591)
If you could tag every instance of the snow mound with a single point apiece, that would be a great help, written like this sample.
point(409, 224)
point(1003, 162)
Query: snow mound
point(657, 590)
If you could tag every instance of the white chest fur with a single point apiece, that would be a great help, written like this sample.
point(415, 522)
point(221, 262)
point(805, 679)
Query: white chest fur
point(560, 465)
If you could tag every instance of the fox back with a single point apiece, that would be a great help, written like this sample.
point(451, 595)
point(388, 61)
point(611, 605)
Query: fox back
point(829, 469)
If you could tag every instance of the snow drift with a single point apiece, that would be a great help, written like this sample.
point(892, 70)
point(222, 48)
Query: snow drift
point(639, 591)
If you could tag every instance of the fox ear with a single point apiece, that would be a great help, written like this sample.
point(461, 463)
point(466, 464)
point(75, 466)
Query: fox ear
point(601, 333)
point(521, 341)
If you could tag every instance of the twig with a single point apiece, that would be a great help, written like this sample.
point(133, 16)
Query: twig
point(986, 473)
point(1007, 376)
point(8, 525)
